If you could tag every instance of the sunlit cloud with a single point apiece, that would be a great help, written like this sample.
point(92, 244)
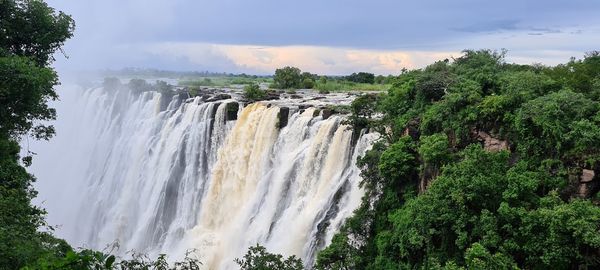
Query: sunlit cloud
point(316, 59)
point(333, 37)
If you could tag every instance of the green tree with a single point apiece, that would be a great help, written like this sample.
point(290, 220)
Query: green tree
point(139, 85)
point(522, 207)
point(288, 78)
point(31, 33)
point(258, 258)
point(361, 77)
point(308, 83)
point(253, 92)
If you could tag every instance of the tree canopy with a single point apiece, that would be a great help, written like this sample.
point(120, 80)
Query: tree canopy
point(31, 33)
point(480, 166)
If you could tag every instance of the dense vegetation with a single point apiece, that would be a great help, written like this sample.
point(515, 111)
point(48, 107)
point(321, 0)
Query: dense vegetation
point(481, 165)
point(253, 92)
point(294, 78)
point(257, 258)
point(31, 33)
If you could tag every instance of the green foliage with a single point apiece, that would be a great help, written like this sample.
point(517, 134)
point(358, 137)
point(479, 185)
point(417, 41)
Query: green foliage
point(483, 209)
point(398, 160)
point(332, 85)
point(323, 80)
point(433, 149)
point(90, 259)
point(31, 33)
point(361, 77)
point(253, 92)
point(33, 30)
point(25, 89)
point(308, 83)
point(163, 87)
point(258, 258)
point(362, 108)
point(288, 78)
point(138, 85)
point(222, 81)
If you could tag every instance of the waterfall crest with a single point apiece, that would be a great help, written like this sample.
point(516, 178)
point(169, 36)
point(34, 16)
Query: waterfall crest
point(164, 179)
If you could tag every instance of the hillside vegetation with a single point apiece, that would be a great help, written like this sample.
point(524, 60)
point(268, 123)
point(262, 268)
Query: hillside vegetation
point(481, 165)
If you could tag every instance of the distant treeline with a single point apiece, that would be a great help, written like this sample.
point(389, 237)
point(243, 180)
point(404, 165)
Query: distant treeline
point(157, 73)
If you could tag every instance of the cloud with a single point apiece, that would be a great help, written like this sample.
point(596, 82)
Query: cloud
point(316, 59)
point(490, 26)
point(333, 36)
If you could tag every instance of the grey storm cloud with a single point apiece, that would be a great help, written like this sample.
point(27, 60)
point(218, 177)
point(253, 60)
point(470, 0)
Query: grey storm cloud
point(113, 28)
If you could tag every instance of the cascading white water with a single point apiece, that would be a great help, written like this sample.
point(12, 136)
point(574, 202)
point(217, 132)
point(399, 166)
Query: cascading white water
point(164, 180)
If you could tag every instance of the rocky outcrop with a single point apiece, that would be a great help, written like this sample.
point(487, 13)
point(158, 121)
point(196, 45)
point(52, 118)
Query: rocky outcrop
point(427, 176)
point(412, 129)
point(588, 183)
point(326, 113)
point(218, 97)
point(232, 111)
point(283, 115)
point(490, 143)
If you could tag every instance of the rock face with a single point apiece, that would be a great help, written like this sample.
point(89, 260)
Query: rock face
point(232, 111)
point(587, 176)
point(490, 143)
point(283, 116)
point(428, 175)
point(326, 113)
point(412, 129)
point(588, 184)
point(218, 97)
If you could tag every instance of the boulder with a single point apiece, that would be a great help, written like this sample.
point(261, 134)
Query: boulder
point(232, 111)
point(412, 129)
point(282, 116)
point(218, 97)
point(490, 143)
point(587, 185)
point(587, 176)
point(316, 112)
point(326, 113)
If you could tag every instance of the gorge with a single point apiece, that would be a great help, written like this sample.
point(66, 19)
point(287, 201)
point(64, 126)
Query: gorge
point(160, 173)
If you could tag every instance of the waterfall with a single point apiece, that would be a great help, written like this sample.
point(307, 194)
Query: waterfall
point(161, 178)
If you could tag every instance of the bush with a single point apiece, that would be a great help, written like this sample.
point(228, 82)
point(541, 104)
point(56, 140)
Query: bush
point(253, 92)
point(308, 83)
point(287, 78)
point(257, 258)
point(361, 77)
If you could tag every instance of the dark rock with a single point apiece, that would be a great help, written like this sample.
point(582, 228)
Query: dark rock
point(218, 97)
point(232, 111)
point(412, 129)
point(214, 110)
point(294, 96)
point(165, 99)
point(283, 115)
point(272, 95)
point(327, 113)
point(316, 112)
point(427, 176)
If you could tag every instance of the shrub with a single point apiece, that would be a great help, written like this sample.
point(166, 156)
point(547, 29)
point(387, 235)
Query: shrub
point(253, 92)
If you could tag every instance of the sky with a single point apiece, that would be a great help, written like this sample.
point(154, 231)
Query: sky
point(332, 37)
